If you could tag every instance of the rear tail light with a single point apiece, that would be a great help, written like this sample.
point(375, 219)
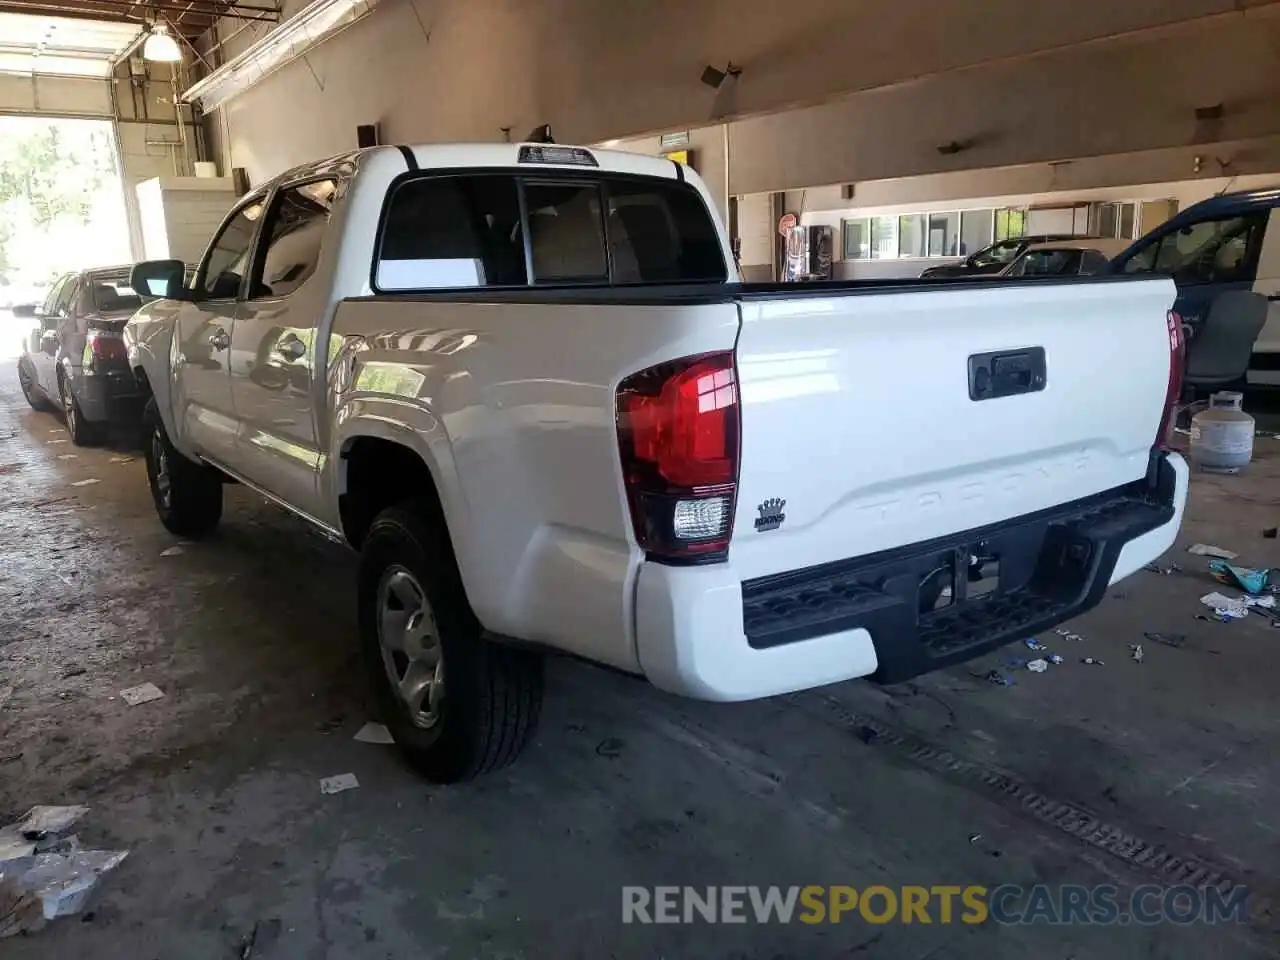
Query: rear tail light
point(104, 345)
point(678, 437)
point(1173, 390)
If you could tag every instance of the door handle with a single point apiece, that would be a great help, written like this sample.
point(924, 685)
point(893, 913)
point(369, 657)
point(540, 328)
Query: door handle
point(291, 348)
point(219, 340)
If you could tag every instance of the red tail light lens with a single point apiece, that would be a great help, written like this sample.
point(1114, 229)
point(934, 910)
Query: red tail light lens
point(106, 345)
point(1173, 392)
point(678, 438)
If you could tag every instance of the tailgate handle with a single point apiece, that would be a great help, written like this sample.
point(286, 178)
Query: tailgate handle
point(993, 375)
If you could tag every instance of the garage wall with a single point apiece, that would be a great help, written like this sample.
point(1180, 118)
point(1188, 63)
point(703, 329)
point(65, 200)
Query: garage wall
point(462, 69)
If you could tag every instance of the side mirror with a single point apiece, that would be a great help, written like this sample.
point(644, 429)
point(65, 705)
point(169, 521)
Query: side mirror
point(159, 278)
point(25, 311)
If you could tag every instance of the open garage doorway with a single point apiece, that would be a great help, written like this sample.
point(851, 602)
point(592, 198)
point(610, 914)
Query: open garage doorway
point(61, 209)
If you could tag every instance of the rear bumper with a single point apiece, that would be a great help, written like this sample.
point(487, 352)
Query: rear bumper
point(702, 633)
point(109, 396)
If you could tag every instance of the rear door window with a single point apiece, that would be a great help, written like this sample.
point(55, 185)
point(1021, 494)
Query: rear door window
point(450, 232)
point(294, 231)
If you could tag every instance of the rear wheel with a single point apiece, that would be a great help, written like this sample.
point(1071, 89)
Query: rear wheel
point(458, 705)
point(29, 389)
point(187, 495)
point(82, 432)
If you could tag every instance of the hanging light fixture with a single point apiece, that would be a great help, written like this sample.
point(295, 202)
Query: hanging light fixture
point(160, 45)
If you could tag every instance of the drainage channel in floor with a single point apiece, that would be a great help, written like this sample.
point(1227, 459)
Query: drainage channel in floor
point(1168, 866)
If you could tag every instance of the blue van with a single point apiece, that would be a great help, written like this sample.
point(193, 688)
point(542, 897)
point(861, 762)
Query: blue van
point(1228, 242)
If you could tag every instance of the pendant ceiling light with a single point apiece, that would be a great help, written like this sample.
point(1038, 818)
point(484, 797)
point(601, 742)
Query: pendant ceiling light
point(160, 45)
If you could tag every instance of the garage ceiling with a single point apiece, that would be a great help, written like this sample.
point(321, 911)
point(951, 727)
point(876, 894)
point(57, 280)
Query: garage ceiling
point(83, 38)
point(57, 45)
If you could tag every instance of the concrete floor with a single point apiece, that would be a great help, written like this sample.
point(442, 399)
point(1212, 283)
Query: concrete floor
point(214, 789)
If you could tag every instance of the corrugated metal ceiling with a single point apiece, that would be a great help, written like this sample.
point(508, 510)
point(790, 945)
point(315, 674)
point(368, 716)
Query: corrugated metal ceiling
point(58, 45)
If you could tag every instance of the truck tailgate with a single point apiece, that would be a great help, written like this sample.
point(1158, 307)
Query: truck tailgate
point(878, 416)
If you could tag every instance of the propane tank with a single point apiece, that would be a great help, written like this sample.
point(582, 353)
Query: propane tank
point(1222, 435)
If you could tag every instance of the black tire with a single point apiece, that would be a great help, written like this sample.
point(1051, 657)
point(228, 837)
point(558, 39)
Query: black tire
point(192, 506)
point(492, 693)
point(27, 381)
point(83, 433)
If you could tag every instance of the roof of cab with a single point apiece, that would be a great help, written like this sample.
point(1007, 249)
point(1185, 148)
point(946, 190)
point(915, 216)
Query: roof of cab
point(1104, 245)
point(1241, 200)
point(436, 156)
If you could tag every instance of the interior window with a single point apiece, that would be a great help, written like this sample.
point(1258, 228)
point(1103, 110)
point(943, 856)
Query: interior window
point(566, 232)
point(444, 232)
point(660, 233)
point(295, 229)
point(228, 260)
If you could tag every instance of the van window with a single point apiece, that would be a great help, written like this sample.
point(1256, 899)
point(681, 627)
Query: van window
point(449, 232)
point(1221, 250)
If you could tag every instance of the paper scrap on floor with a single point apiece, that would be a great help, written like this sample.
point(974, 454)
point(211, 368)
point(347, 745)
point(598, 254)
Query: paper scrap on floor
point(83, 483)
point(44, 875)
point(171, 552)
point(142, 693)
point(1209, 550)
point(343, 781)
point(1225, 606)
point(374, 733)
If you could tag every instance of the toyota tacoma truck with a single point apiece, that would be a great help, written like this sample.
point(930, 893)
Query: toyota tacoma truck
point(525, 383)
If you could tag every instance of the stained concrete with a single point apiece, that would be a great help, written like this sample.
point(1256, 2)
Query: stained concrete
point(214, 789)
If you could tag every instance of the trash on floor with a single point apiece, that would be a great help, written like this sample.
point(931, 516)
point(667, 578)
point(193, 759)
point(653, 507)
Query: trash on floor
point(63, 440)
point(1055, 659)
point(343, 781)
point(68, 456)
point(172, 552)
point(1031, 643)
point(84, 483)
point(1209, 550)
point(1224, 607)
point(1164, 569)
point(43, 874)
point(121, 460)
point(995, 677)
point(1037, 666)
point(1175, 640)
point(1248, 579)
point(1267, 602)
point(142, 693)
point(374, 733)
point(1135, 651)
point(1092, 661)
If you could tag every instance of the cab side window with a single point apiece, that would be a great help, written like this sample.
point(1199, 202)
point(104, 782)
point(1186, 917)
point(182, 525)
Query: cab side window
point(227, 261)
point(1220, 250)
point(293, 233)
point(49, 307)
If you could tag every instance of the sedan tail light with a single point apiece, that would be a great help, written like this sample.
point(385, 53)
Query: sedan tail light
point(104, 345)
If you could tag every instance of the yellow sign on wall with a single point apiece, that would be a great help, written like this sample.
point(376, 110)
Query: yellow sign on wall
point(679, 156)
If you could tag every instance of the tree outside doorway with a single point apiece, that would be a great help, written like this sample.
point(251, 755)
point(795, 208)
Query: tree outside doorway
point(61, 202)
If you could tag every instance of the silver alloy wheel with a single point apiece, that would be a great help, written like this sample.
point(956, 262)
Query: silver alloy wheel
point(68, 407)
point(164, 485)
point(410, 642)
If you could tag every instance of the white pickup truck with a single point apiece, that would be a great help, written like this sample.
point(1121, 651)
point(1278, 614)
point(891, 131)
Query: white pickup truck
point(525, 383)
